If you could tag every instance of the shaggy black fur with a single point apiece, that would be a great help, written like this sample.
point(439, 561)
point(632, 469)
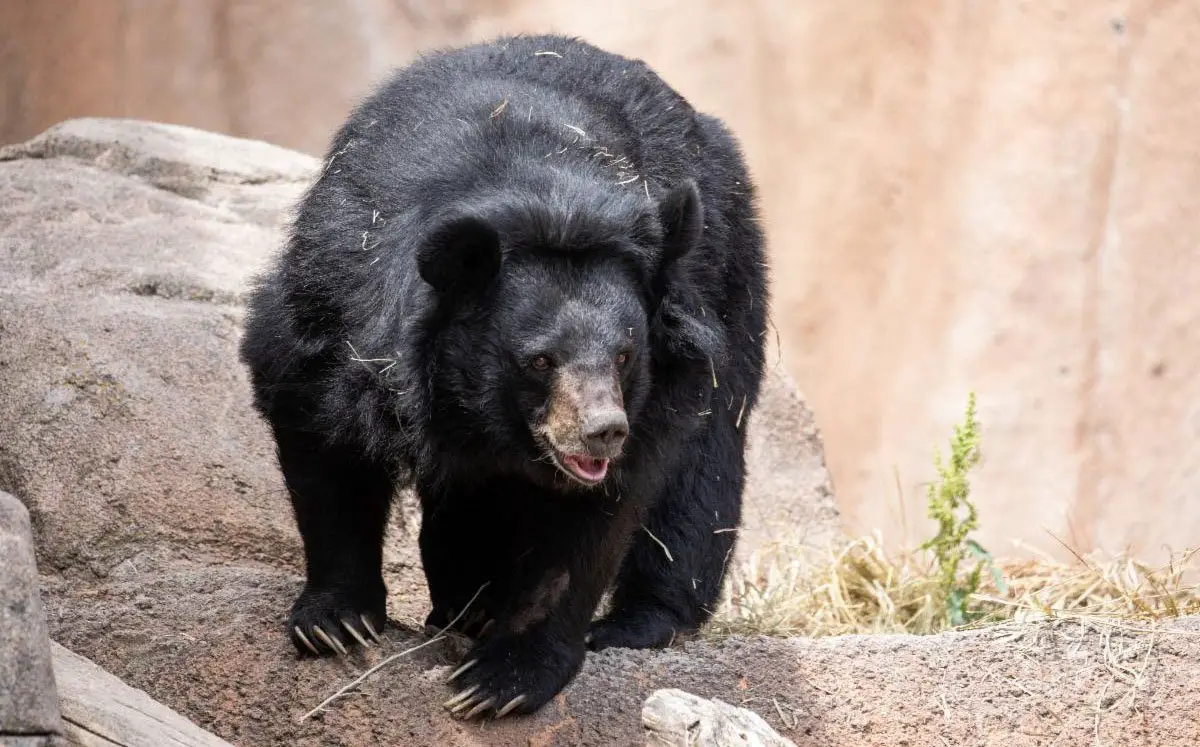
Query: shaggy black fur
point(518, 253)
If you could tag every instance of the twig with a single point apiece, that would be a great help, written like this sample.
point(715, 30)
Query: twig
point(782, 718)
point(441, 634)
point(660, 544)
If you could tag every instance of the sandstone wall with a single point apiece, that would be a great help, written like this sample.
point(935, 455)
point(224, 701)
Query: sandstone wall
point(988, 194)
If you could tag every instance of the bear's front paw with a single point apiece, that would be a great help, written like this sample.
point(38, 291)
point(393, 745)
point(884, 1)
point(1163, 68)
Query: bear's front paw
point(325, 621)
point(513, 674)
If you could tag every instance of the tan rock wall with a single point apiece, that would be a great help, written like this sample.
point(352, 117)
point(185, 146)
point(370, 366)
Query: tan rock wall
point(997, 195)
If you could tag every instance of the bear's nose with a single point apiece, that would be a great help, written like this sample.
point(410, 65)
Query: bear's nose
point(605, 432)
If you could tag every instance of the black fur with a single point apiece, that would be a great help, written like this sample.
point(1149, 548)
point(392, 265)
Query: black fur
point(490, 218)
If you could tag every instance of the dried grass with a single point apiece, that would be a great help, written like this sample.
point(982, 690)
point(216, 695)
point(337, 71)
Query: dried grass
point(1122, 587)
point(862, 588)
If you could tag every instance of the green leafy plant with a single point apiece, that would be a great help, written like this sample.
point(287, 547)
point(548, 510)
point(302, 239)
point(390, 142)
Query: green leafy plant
point(960, 559)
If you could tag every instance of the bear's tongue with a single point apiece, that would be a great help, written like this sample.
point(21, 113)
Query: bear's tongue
point(586, 468)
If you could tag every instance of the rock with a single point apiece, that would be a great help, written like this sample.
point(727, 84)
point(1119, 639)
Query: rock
point(674, 718)
point(118, 335)
point(28, 705)
point(169, 554)
point(205, 167)
point(99, 709)
point(166, 154)
point(789, 495)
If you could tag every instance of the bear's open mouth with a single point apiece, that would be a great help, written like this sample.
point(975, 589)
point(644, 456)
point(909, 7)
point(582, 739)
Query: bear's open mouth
point(586, 469)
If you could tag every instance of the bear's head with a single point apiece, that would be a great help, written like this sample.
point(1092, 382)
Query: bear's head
point(542, 354)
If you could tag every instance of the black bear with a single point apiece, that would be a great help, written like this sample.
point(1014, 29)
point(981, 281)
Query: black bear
point(529, 281)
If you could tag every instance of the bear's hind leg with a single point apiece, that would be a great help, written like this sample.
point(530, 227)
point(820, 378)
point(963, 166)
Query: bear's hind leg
point(671, 577)
point(341, 502)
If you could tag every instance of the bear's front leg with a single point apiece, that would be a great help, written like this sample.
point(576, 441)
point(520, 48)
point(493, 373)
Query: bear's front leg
point(517, 672)
point(341, 503)
point(533, 651)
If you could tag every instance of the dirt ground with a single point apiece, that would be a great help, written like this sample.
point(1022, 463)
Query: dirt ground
point(205, 639)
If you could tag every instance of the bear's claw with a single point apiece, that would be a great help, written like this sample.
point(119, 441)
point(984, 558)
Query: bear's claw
point(460, 696)
point(370, 629)
point(332, 641)
point(479, 708)
point(512, 675)
point(304, 639)
point(454, 675)
point(512, 704)
point(478, 703)
point(355, 634)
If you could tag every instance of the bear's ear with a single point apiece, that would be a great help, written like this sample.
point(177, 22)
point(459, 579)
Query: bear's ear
point(682, 217)
point(461, 256)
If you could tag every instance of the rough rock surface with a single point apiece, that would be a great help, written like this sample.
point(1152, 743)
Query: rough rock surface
point(789, 495)
point(167, 546)
point(28, 704)
point(674, 718)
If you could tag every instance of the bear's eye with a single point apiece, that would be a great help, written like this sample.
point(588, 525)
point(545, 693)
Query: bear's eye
point(622, 358)
point(540, 362)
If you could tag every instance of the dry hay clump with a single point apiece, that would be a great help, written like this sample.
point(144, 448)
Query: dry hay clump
point(861, 588)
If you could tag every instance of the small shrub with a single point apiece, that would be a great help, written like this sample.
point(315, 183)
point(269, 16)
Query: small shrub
point(949, 504)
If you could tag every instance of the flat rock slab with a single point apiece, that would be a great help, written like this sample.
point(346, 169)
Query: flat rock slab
point(100, 710)
point(28, 704)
